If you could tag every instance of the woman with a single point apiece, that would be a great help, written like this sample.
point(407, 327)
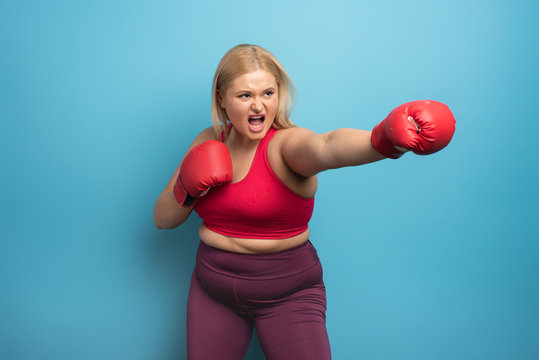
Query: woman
point(252, 179)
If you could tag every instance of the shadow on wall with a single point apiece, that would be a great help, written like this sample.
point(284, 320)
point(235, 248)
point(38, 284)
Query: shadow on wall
point(173, 253)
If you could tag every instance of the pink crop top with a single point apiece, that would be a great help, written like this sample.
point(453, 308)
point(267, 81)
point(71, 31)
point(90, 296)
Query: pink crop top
point(259, 206)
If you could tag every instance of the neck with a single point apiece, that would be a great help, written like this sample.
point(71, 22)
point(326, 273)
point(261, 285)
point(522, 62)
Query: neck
point(238, 142)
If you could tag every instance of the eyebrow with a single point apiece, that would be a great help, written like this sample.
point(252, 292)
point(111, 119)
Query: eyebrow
point(249, 91)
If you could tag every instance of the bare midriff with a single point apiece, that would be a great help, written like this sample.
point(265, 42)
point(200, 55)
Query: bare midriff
point(249, 246)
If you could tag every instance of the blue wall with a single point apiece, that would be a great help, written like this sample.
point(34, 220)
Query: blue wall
point(425, 257)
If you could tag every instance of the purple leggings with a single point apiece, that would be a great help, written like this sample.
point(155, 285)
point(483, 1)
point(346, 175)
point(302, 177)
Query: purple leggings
point(281, 294)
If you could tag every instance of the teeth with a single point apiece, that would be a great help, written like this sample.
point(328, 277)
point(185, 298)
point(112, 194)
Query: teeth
point(256, 117)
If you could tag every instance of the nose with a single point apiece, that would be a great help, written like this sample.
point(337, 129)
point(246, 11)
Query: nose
point(256, 106)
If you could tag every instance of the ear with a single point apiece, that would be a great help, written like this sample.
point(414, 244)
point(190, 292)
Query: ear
point(220, 99)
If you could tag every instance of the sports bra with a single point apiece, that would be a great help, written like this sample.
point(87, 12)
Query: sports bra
point(259, 206)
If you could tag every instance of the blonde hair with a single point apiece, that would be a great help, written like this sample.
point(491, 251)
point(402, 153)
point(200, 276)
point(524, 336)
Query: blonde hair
point(241, 60)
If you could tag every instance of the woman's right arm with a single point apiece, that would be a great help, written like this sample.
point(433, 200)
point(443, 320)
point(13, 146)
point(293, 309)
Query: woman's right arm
point(167, 213)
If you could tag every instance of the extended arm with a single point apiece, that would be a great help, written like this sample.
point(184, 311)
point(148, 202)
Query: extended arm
point(422, 126)
point(308, 153)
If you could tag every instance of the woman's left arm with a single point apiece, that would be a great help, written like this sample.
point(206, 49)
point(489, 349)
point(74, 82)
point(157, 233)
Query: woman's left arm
point(308, 153)
point(423, 126)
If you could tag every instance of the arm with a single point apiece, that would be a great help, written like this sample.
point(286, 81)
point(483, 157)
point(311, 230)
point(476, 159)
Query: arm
point(308, 153)
point(423, 126)
point(167, 213)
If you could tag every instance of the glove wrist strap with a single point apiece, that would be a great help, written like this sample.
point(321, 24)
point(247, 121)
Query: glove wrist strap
point(381, 143)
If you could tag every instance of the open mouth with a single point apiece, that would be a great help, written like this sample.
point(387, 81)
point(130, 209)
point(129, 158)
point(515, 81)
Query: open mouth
point(256, 122)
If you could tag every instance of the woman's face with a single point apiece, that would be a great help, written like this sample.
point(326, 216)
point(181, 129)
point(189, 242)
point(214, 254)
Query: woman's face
point(251, 103)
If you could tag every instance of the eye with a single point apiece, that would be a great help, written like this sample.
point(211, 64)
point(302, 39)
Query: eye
point(244, 96)
point(269, 93)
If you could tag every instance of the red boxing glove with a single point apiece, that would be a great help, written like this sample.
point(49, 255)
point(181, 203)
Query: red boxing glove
point(205, 166)
point(423, 126)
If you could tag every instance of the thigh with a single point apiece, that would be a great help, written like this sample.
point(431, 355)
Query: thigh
point(214, 330)
point(296, 327)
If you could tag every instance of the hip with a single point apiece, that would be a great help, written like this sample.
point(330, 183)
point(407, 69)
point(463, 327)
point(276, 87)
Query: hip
point(254, 278)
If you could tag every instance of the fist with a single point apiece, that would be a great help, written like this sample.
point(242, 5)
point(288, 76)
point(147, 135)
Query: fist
point(423, 126)
point(206, 165)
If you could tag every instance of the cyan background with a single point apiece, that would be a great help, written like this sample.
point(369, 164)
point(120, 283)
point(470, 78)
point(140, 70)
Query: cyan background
point(425, 258)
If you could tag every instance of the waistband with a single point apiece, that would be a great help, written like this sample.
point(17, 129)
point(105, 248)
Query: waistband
point(282, 263)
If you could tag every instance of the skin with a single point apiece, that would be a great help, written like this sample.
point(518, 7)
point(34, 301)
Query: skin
point(296, 155)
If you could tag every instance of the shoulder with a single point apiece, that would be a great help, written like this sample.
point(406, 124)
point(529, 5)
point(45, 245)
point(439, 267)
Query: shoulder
point(207, 134)
point(302, 185)
point(204, 135)
point(290, 136)
point(295, 131)
point(293, 141)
